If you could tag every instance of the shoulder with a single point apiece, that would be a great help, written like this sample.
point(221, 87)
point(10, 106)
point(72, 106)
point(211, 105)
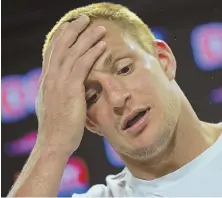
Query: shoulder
point(114, 187)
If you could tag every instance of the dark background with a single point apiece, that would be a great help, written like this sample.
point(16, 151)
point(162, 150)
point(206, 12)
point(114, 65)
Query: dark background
point(24, 26)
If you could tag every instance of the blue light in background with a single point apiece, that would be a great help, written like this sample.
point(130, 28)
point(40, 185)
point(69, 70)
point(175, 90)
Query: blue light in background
point(18, 95)
point(159, 33)
point(206, 43)
point(21, 146)
point(30, 88)
point(111, 155)
point(216, 95)
point(13, 99)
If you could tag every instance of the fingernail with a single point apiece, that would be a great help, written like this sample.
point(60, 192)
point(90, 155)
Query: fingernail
point(64, 25)
point(83, 18)
point(102, 44)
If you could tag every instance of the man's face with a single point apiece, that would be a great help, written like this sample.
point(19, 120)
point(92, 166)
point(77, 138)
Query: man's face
point(134, 81)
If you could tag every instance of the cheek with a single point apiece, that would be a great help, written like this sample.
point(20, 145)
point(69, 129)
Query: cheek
point(99, 114)
point(142, 81)
point(153, 77)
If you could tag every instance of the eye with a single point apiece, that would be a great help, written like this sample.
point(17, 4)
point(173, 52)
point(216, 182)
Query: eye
point(125, 70)
point(92, 99)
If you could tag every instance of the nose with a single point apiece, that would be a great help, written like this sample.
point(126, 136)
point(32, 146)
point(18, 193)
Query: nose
point(116, 94)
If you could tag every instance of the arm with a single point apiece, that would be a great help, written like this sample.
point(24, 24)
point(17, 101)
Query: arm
point(61, 107)
point(41, 176)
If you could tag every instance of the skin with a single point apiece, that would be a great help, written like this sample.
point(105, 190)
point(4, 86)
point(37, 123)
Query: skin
point(73, 71)
point(173, 136)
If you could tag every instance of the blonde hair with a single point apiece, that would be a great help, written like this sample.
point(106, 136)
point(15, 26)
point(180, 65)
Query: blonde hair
point(109, 11)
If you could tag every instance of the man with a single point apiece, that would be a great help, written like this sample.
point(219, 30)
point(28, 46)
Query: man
point(107, 72)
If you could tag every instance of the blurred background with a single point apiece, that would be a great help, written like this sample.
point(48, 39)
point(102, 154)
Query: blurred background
point(193, 29)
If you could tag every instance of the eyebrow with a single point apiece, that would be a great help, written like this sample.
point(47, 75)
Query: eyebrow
point(109, 60)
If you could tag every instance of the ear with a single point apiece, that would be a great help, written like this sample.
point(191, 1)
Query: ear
point(92, 127)
point(166, 58)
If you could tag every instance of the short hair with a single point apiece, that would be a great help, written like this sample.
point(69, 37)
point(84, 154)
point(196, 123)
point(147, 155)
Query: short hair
point(113, 12)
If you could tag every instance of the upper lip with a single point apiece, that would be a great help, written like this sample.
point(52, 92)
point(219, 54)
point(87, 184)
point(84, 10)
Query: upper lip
point(131, 116)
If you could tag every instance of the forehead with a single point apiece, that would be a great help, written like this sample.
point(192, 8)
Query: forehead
point(116, 38)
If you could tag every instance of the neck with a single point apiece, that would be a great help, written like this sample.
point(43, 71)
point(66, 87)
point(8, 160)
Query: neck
point(191, 138)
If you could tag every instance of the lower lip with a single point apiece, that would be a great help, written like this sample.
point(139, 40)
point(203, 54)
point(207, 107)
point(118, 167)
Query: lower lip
point(139, 125)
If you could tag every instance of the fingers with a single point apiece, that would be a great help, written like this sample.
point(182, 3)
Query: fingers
point(48, 53)
point(73, 31)
point(85, 41)
point(64, 37)
point(68, 37)
point(72, 52)
point(84, 64)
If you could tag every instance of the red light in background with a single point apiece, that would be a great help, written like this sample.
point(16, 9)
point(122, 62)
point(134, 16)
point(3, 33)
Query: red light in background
point(18, 95)
point(75, 177)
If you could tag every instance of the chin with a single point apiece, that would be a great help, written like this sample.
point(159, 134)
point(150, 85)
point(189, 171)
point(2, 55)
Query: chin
point(148, 136)
point(150, 143)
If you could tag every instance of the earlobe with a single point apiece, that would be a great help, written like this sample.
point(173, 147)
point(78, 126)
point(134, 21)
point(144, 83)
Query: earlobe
point(92, 127)
point(171, 73)
point(166, 58)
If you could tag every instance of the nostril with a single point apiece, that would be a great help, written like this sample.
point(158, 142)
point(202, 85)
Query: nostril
point(127, 95)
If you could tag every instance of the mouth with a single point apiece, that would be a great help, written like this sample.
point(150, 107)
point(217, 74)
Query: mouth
point(134, 118)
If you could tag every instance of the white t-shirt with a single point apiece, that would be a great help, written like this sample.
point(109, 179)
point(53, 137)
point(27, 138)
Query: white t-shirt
point(202, 177)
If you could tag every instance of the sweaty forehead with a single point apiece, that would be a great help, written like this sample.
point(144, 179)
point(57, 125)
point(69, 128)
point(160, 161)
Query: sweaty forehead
point(116, 38)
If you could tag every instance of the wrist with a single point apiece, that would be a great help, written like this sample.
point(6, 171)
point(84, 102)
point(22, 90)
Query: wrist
point(51, 151)
point(52, 145)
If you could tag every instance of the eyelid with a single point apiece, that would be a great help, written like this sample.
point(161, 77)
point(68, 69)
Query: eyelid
point(123, 63)
point(89, 94)
point(94, 88)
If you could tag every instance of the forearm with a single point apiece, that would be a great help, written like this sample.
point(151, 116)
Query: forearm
point(41, 176)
